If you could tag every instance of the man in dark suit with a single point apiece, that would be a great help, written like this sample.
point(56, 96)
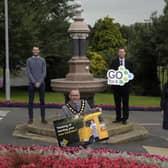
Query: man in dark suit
point(121, 93)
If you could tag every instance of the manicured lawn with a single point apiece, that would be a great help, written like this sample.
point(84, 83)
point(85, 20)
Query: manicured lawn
point(107, 98)
point(1, 72)
point(22, 96)
point(100, 98)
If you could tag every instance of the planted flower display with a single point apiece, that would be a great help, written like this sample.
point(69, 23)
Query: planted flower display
point(55, 157)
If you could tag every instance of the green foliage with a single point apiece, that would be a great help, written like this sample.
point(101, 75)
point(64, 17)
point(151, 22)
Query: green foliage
point(106, 38)
point(2, 51)
point(98, 65)
point(161, 34)
point(142, 51)
point(147, 46)
point(20, 95)
point(1, 72)
point(78, 123)
point(39, 22)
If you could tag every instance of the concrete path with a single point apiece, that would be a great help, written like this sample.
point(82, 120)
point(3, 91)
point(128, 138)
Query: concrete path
point(158, 137)
point(156, 151)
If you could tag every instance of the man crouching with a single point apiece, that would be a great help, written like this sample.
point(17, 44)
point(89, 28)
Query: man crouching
point(77, 107)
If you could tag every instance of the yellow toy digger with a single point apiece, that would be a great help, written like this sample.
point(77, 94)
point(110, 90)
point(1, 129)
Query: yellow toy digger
point(86, 132)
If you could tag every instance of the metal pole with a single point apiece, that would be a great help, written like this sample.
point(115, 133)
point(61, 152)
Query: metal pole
point(7, 71)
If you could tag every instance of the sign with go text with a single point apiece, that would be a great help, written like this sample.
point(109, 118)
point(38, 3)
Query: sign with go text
point(119, 77)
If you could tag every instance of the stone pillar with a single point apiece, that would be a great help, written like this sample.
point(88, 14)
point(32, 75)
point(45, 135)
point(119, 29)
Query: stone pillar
point(79, 44)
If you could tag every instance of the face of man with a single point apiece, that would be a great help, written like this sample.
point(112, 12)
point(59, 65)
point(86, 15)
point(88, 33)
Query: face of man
point(74, 96)
point(121, 53)
point(35, 51)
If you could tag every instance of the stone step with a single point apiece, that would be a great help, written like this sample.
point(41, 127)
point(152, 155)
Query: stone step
point(21, 132)
point(41, 130)
point(113, 129)
point(118, 133)
point(48, 130)
point(117, 129)
point(138, 133)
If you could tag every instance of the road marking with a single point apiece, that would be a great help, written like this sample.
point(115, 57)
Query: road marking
point(165, 138)
point(150, 124)
point(3, 113)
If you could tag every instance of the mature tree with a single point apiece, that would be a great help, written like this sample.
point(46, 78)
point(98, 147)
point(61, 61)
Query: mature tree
point(2, 34)
point(143, 53)
point(37, 22)
point(106, 38)
point(161, 35)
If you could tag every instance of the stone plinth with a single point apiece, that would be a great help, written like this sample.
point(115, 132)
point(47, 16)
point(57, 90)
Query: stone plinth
point(64, 85)
point(79, 77)
point(118, 133)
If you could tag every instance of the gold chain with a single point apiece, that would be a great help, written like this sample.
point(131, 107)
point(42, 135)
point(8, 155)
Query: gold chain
point(75, 111)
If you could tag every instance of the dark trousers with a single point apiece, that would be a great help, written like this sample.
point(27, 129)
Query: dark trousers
point(121, 97)
point(165, 116)
point(32, 90)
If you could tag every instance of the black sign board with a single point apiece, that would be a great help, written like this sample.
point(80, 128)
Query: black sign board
point(66, 132)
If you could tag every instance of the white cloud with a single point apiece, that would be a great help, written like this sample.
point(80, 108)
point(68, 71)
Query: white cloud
point(124, 11)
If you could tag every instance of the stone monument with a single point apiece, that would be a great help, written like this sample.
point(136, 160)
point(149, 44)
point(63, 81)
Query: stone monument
point(79, 76)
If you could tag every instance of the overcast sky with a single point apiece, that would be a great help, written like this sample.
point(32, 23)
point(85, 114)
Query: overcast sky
point(124, 11)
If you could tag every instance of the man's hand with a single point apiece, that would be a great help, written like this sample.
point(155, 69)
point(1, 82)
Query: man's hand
point(99, 109)
point(162, 112)
point(76, 116)
point(37, 85)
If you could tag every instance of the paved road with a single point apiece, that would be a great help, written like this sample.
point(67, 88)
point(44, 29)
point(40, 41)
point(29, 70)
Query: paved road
point(9, 117)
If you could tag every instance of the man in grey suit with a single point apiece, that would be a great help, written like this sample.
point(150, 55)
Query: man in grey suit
point(77, 107)
point(36, 72)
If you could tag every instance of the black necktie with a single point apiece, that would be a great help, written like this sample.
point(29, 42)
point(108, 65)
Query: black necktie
point(121, 62)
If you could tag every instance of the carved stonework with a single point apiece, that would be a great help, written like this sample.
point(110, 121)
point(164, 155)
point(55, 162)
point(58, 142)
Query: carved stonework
point(79, 76)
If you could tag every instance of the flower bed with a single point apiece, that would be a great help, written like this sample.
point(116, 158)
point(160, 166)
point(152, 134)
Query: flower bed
point(59, 105)
point(55, 157)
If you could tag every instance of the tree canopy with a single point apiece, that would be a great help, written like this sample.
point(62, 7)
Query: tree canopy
point(36, 22)
point(105, 39)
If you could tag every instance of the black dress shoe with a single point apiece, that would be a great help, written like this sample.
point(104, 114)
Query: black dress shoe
point(124, 122)
point(44, 121)
point(116, 121)
point(30, 122)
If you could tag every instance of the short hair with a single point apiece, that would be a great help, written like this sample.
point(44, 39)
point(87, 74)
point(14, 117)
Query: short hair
point(35, 46)
point(74, 90)
point(122, 48)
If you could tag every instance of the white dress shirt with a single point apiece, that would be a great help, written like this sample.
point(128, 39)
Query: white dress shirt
point(122, 60)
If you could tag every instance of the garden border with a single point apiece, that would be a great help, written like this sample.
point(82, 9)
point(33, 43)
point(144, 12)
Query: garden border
point(59, 105)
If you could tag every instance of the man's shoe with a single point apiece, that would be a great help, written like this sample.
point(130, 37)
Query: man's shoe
point(124, 122)
point(117, 121)
point(30, 122)
point(44, 121)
